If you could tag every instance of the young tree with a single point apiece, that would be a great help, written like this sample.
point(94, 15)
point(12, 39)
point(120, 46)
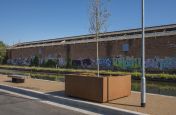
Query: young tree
point(98, 21)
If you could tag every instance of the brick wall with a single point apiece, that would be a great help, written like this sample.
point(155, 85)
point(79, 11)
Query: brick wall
point(160, 53)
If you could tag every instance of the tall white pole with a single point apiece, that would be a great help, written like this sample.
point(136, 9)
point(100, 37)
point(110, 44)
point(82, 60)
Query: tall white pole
point(97, 36)
point(143, 80)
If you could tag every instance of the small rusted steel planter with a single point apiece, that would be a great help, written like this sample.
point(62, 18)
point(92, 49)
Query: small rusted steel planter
point(18, 78)
point(99, 89)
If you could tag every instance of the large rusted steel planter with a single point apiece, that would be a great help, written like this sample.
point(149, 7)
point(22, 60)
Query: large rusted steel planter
point(99, 89)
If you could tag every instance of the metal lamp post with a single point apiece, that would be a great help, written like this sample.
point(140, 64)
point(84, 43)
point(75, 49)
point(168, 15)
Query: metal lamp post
point(97, 35)
point(143, 80)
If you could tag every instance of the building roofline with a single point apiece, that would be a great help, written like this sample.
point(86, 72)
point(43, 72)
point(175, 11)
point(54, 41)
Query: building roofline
point(127, 31)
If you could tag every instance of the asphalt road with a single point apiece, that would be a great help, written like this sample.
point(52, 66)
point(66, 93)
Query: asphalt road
point(16, 105)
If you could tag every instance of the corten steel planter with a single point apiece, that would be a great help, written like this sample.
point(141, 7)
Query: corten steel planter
point(99, 89)
point(18, 78)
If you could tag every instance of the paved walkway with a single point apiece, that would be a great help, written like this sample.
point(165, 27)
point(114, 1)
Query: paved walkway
point(156, 104)
point(35, 84)
point(16, 105)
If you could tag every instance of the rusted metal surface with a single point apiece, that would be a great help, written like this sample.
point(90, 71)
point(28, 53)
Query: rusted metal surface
point(18, 78)
point(99, 89)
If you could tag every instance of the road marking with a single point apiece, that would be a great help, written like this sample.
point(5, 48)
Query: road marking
point(70, 108)
point(80, 101)
point(52, 103)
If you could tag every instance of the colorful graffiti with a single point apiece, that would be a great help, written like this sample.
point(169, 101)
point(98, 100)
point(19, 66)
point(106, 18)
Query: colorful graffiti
point(84, 63)
point(166, 63)
point(61, 62)
point(125, 63)
point(19, 61)
point(105, 63)
point(76, 63)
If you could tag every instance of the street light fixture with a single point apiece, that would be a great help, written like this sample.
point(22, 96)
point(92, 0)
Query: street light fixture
point(143, 80)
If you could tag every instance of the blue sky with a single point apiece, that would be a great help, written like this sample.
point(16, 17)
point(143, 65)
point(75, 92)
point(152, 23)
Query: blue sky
point(30, 20)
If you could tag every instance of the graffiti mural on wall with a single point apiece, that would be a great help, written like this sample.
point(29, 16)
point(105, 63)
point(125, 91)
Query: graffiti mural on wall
point(19, 61)
point(125, 63)
point(84, 63)
point(61, 62)
point(105, 62)
point(166, 63)
point(76, 63)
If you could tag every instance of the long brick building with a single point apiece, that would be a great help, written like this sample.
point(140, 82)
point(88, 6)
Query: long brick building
point(118, 50)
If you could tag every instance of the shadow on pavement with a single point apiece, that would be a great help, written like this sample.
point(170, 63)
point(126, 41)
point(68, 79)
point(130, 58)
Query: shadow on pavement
point(124, 104)
point(57, 93)
point(62, 94)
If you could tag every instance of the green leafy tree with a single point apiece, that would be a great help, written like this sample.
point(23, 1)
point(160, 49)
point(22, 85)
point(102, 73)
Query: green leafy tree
point(50, 63)
point(2, 52)
point(35, 61)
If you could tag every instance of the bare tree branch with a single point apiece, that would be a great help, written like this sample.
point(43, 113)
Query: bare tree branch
point(98, 19)
point(98, 11)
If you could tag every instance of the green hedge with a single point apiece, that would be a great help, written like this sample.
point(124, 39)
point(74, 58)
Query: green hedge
point(135, 75)
point(46, 77)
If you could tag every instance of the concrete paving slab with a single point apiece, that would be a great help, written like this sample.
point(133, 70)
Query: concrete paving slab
point(156, 104)
point(16, 105)
point(71, 102)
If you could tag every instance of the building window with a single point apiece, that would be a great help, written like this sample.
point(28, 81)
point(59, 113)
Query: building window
point(125, 47)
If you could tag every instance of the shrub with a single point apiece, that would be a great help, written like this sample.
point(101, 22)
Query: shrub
point(35, 61)
point(49, 63)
